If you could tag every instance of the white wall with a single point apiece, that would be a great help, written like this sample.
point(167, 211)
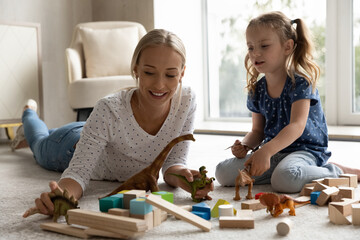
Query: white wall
point(58, 19)
point(182, 18)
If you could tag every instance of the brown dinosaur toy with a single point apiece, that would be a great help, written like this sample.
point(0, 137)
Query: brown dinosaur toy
point(244, 178)
point(62, 203)
point(147, 178)
point(277, 203)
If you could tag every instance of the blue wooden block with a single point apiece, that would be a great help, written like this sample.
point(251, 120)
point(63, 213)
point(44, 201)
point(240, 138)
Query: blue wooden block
point(204, 215)
point(168, 196)
point(138, 206)
point(201, 207)
point(313, 197)
point(114, 201)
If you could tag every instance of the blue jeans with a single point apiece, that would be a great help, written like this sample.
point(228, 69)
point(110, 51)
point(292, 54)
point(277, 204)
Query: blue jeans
point(54, 148)
point(288, 172)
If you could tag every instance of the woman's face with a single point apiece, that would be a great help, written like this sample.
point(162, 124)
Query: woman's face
point(159, 73)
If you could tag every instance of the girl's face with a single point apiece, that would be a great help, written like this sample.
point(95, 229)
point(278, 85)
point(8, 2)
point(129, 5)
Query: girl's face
point(266, 52)
point(159, 72)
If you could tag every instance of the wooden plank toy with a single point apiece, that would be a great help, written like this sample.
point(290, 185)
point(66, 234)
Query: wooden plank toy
point(179, 212)
point(124, 225)
point(101, 233)
point(64, 229)
point(168, 196)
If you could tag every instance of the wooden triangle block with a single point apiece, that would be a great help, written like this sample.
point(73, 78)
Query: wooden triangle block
point(336, 217)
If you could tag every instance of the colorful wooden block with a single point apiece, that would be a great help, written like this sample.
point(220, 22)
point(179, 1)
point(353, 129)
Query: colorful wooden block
point(168, 196)
point(314, 196)
point(139, 206)
point(204, 215)
point(129, 195)
point(202, 207)
point(215, 210)
point(114, 201)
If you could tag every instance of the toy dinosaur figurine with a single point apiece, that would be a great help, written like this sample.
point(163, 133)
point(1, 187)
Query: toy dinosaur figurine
point(198, 183)
point(148, 177)
point(62, 203)
point(277, 203)
point(244, 178)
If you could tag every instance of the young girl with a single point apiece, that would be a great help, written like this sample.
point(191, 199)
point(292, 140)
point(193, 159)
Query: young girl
point(127, 130)
point(287, 118)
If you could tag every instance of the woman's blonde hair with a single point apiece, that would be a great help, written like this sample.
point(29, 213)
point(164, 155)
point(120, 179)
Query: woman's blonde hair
point(300, 61)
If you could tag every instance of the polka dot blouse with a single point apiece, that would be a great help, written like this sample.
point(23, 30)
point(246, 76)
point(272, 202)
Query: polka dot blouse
point(277, 115)
point(113, 146)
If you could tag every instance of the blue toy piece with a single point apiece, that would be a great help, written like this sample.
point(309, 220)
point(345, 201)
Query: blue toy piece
point(114, 201)
point(202, 210)
point(313, 197)
point(168, 196)
point(138, 206)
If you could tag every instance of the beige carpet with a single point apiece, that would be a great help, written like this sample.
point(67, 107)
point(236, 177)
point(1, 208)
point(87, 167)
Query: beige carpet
point(21, 181)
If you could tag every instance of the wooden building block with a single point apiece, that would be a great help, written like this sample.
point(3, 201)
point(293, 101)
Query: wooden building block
point(226, 210)
point(320, 180)
point(319, 187)
point(215, 210)
point(124, 225)
point(204, 208)
point(353, 178)
point(344, 207)
point(157, 216)
point(149, 218)
point(179, 212)
point(119, 212)
point(168, 196)
point(284, 226)
point(336, 182)
point(129, 195)
point(307, 189)
point(114, 201)
point(325, 195)
point(243, 219)
point(139, 206)
point(336, 217)
point(356, 214)
point(314, 197)
point(102, 233)
point(302, 201)
point(64, 229)
point(253, 204)
point(347, 192)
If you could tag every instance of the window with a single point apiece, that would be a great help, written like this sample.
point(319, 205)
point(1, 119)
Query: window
point(226, 24)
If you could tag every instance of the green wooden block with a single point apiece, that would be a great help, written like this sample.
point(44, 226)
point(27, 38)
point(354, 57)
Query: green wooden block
point(168, 196)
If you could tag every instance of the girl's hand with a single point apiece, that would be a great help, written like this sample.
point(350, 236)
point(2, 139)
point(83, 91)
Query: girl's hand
point(239, 150)
point(190, 175)
point(44, 204)
point(259, 162)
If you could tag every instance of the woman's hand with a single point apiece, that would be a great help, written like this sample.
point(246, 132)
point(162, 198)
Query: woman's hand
point(259, 162)
point(190, 175)
point(239, 150)
point(44, 205)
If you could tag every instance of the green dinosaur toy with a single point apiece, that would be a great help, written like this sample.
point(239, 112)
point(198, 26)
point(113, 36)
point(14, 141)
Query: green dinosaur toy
point(198, 183)
point(62, 203)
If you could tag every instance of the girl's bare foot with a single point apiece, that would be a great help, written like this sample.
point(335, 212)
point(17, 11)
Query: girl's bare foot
point(348, 170)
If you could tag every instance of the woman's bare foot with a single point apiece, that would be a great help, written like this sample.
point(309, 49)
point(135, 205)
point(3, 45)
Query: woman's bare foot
point(348, 170)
